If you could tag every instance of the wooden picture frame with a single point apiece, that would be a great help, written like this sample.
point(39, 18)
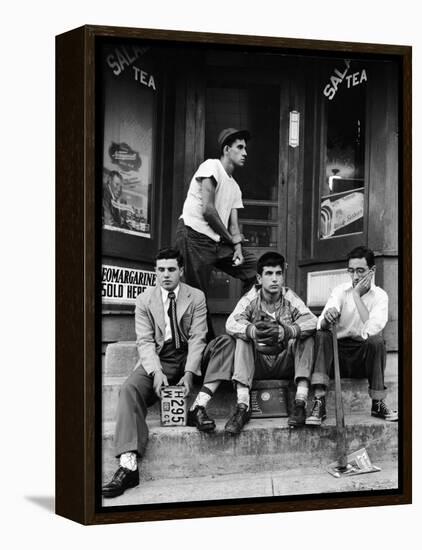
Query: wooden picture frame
point(81, 240)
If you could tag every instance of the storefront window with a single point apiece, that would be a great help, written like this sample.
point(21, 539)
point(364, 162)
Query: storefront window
point(342, 192)
point(130, 88)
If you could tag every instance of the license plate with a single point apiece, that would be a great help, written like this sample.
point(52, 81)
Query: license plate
point(173, 406)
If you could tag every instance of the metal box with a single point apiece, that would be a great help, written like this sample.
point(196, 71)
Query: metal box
point(269, 398)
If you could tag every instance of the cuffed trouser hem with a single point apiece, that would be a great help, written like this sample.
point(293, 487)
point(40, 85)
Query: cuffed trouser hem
point(221, 378)
point(242, 380)
point(301, 374)
point(377, 394)
point(130, 447)
point(320, 379)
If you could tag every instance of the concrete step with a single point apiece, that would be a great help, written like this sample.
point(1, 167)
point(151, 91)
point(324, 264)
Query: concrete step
point(121, 357)
point(355, 396)
point(264, 445)
point(354, 391)
point(295, 481)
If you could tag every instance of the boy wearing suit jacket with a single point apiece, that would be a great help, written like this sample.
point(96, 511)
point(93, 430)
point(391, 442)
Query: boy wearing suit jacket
point(171, 329)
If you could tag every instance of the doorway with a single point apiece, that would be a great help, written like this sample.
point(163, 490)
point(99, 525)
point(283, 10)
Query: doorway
point(254, 106)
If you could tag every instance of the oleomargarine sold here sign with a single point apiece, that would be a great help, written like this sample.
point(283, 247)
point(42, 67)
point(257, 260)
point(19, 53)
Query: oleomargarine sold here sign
point(123, 284)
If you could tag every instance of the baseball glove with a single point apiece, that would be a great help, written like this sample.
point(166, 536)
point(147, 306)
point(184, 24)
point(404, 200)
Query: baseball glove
point(269, 337)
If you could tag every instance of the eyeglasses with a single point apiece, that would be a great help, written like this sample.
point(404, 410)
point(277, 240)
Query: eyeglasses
point(358, 270)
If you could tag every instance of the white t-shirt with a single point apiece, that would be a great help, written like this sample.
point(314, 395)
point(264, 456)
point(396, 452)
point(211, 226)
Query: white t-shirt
point(227, 196)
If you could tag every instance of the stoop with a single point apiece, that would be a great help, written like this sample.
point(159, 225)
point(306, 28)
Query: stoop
point(266, 447)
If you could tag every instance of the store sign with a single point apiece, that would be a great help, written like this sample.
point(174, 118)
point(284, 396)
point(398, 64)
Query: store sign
point(341, 75)
point(122, 284)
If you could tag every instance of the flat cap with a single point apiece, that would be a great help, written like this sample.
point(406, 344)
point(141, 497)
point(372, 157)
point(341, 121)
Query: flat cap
point(232, 133)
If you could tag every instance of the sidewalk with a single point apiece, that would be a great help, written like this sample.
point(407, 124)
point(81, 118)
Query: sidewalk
point(298, 481)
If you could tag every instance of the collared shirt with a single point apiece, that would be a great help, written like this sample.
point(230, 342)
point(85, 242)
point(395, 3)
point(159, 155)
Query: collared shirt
point(166, 304)
point(227, 196)
point(350, 325)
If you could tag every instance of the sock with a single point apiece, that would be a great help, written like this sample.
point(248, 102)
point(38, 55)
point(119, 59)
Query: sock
point(129, 460)
point(319, 391)
point(302, 391)
point(202, 398)
point(243, 395)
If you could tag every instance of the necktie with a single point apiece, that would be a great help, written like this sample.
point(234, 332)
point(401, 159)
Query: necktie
point(173, 320)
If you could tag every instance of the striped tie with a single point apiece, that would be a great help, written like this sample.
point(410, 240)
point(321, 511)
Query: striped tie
point(173, 320)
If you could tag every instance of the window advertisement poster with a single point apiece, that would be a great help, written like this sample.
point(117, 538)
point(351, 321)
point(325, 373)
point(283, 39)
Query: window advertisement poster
point(342, 190)
point(130, 88)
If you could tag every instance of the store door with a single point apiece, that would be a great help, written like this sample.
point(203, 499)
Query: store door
point(262, 109)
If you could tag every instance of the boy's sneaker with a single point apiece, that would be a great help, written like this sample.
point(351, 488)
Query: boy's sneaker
point(318, 413)
point(380, 410)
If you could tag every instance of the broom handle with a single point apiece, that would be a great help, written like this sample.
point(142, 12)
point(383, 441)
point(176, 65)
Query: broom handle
point(341, 429)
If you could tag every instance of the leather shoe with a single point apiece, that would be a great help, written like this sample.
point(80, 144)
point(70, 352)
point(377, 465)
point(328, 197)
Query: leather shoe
point(241, 416)
point(123, 479)
point(297, 418)
point(198, 417)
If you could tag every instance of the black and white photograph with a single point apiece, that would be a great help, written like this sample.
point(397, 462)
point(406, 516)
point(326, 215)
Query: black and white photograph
point(211, 275)
point(250, 272)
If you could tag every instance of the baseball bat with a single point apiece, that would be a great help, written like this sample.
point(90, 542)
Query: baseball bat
point(341, 429)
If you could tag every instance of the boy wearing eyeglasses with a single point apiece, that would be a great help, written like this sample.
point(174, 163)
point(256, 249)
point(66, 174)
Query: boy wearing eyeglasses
point(359, 308)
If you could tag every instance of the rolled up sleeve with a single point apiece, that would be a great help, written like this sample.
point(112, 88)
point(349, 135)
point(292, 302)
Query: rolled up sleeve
point(378, 317)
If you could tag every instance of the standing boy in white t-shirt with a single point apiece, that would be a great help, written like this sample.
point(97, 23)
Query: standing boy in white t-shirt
point(208, 233)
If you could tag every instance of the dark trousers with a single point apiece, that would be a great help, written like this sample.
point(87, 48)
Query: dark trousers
point(357, 359)
point(137, 394)
point(201, 254)
point(227, 358)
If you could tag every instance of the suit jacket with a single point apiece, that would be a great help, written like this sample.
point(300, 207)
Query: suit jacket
point(191, 312)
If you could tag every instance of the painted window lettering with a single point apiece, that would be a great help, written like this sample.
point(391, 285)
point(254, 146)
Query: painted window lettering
point(144, 78)
point(338, 77)
point(123, 57)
